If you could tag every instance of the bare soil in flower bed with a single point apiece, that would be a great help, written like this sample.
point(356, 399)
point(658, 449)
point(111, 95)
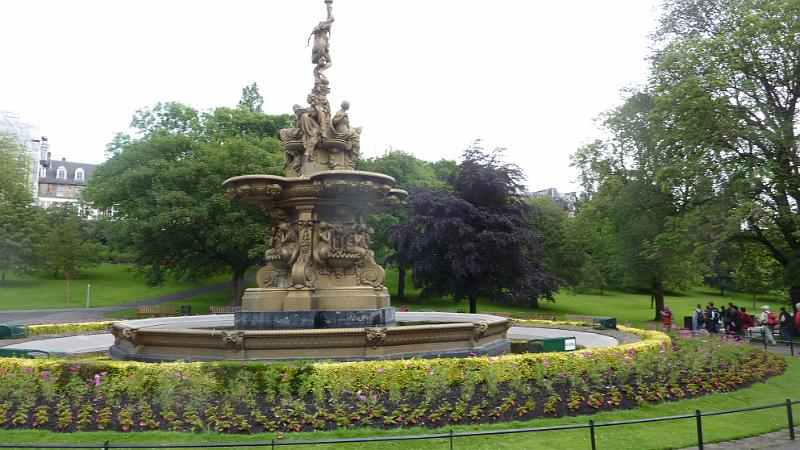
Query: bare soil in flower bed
point(83, 402)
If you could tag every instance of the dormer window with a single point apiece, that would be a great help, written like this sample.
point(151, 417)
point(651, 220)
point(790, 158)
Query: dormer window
point(79, 174)
point(61, 173)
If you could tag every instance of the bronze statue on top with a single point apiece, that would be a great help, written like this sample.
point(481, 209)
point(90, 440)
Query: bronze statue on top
point(327, 142)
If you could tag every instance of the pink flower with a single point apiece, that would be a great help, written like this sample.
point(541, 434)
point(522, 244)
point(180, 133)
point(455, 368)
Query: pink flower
point(74, 368)
point(545, 363)
point(380, 370)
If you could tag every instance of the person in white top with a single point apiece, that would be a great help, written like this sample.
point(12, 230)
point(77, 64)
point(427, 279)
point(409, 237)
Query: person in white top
point(767, 319)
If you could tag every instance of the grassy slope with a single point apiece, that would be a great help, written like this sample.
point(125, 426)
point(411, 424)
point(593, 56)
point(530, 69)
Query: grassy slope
point(111, 284)
point(658, 435)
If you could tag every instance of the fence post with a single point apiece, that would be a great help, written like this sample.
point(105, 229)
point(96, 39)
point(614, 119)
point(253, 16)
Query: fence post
point(273, 443)
point(591, 434)
point(698, 417)
point(451, 439)
point(105, 445)
point(764, 336)
point(790, 418)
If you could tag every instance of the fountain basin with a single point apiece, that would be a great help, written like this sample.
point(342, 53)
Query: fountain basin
point(211, 338)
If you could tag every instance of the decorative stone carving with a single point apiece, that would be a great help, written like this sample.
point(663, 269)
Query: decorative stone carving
point(342, 130)
point(233, 340)
point(375, 336)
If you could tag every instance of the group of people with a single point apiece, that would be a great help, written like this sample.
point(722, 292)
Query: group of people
point(736, 321)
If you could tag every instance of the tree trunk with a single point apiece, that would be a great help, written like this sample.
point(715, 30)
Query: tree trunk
point(237, 283)
point(721, 291)
point(473, 304)
point(657, 295)
point(2, 279)
point(602, 287)
point(652, 301)
point(754, 302)
point(68, 276)
point(401, 283)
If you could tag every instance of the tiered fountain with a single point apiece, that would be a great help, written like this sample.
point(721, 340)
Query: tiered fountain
point(321, 294)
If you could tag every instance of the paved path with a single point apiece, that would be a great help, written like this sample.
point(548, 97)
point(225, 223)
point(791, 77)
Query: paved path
point(67, 315)
point(777, 440)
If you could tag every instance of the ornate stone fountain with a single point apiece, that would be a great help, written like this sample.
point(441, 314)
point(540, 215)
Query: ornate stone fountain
point(321, 293)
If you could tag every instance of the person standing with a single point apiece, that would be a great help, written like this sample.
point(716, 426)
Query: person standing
point(785, 324)
point(797, 319)
point(768, 320)
point(712, 318)
point(697, 318)
point(745, 319)
point(666, 317)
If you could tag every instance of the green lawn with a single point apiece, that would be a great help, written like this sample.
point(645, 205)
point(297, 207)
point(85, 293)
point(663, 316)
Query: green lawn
point(629, 308)
point(626, 307)
point(657, 435)
point(200, 304)
point(111, 284)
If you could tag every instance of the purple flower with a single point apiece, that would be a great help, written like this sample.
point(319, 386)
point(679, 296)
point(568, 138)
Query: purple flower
point(380, 370)
point(545, 363)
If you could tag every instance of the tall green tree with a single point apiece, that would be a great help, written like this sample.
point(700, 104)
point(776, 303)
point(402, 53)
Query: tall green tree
point(251, 98)
point(623, 175)
point(551, 222)
point(70, 250)
point(21, 223)
point(726, 79)
point(16, 169)
point(409, 173)
point(166, 190)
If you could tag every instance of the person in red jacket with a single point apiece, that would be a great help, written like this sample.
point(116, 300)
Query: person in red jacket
point(666, 316)
point(797, 318)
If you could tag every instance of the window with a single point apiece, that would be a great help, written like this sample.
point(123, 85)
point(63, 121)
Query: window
point(78, 190)
point(61, 173)
point(59, 191)
point(43, 172)
point(78, 174)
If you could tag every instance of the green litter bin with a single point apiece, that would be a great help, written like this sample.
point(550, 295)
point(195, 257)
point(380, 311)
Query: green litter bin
point(13, 331)
point(605, 323)
point(553, 344)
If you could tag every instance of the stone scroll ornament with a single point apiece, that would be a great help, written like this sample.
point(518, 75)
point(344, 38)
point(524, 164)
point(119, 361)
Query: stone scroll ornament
point(315, 130)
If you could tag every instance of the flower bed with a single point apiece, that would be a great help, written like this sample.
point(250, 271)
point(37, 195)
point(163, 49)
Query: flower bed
point(250, 397)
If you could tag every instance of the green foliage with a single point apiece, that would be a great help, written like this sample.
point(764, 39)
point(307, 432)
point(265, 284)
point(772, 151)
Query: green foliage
point(166, 190)
point(726, 94)
point(251, 98)
point(22, 227)
point(551, 222)
point(69, 248)
point(16, 169)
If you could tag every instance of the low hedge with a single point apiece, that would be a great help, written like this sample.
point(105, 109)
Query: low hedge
point(61, 328)
point(284, 396)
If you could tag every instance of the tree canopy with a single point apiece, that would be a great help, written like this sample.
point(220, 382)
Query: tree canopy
point(475, 241)
point(166, 190)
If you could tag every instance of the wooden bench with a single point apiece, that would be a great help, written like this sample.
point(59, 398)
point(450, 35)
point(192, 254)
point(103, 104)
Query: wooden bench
point(156, 311)
point(224, 309)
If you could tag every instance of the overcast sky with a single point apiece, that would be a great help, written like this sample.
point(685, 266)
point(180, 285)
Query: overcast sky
point(424, 76)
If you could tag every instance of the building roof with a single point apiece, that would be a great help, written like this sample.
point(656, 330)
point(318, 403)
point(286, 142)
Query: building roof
point(71, 167)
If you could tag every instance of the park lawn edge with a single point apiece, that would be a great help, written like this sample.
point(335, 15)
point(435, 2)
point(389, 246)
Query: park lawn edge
point(658, 435)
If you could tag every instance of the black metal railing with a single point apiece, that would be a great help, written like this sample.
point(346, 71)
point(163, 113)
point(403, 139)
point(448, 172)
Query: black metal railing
point(449, 437)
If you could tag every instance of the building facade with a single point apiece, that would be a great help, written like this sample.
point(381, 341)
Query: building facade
point(31, 139)
point(62, 181)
